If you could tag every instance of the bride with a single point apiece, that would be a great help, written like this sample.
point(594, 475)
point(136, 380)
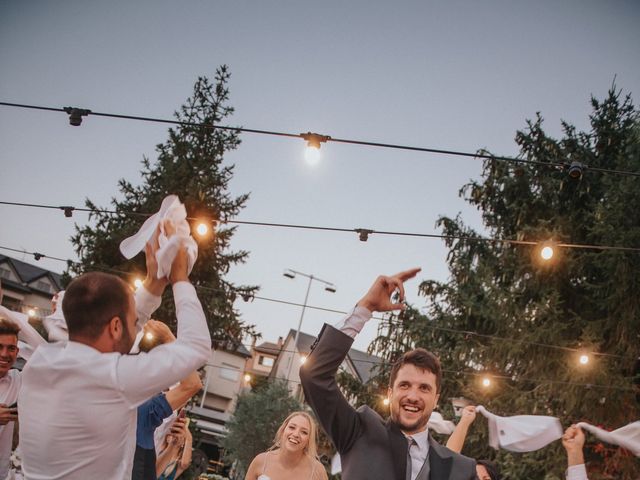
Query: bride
point(293, 455)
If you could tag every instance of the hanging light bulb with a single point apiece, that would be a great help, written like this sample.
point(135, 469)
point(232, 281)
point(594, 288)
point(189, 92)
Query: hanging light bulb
point(486, 382)
point(202, 229)
point(584, 359)
point(546, 252)
point(303, 359)
point(247, 378)
point(385, 401)
point(137, 283)
point(31, 313)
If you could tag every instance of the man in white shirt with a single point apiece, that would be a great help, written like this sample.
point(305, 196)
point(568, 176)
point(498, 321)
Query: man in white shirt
point(9, 387)
point(78, 400)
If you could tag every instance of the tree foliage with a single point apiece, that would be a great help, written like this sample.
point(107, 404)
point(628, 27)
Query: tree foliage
point(190, 163)
point(585, 299)
point(257, 417)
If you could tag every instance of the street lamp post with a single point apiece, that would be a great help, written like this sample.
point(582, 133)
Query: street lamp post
point(329, 287)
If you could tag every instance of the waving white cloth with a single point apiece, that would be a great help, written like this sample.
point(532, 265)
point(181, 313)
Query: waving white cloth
point(55, 323)
point(627, 436)
point(440, 425)
point(521, 433)
point(173, 210)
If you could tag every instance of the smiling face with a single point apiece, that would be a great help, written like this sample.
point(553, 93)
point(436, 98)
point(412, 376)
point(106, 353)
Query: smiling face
point(412, 398)
point(8, 352)
point(295, 436)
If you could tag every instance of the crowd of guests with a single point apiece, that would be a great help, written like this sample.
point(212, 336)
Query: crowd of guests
point(108, 401)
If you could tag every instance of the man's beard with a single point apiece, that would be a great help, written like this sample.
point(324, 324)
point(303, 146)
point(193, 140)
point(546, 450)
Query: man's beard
point(125, 343)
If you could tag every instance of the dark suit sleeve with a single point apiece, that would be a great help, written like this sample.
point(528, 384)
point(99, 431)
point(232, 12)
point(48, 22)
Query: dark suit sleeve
point(318, 376)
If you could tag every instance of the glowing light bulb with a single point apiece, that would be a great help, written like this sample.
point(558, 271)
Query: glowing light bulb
point(303, 359)
point(385, 402)
point(584, 359)
point(312, 155)
point(31, 312)
point(149, 336)
point(138, 283)
point(486, 382)
point(247, 378)
point(546, 253)
point(202, 229)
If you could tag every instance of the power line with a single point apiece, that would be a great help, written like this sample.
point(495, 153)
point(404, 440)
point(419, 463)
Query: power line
point(362, 232)
point(318, 138)
point(382, 362)
point(341, 312)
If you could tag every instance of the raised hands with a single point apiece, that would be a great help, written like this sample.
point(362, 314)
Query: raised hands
point(152, 283)
point(378, 298)
point(573, 442)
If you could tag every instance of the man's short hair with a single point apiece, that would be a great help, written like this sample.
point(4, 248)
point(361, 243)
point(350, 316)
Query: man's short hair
point(92, 300)
point(7, 327)
point(422, 359)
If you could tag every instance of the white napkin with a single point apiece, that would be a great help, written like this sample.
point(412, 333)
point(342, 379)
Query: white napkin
point(171, 209)
point(55, 323)
point(439, 424)
point(521, 433)
point(627, 436)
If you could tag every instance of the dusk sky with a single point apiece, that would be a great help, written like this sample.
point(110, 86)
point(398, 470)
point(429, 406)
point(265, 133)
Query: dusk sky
point(458, 75)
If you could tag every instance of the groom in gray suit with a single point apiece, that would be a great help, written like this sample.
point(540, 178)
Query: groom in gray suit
point(370, 447)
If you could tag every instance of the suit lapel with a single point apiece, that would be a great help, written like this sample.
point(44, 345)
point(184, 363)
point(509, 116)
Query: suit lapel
point(399, 446)
point(440, 460)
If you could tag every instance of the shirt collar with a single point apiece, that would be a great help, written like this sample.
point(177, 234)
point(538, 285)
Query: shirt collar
point(421, 439)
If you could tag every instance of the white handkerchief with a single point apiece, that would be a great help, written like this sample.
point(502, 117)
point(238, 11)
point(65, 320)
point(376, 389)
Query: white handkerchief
point(627, 436)
point(440, 425)
point(171, 209)
point(521, 433)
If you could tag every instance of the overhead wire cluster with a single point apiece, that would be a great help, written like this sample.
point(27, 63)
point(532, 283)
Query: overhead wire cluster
point(314, 140)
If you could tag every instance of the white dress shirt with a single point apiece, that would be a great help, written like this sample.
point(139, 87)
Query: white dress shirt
point(577, 472)
point(354, 321)
point(9, 388)
point(78, 406)
point(418, 451)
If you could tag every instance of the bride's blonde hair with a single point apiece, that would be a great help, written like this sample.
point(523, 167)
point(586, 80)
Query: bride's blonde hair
point(312, 445)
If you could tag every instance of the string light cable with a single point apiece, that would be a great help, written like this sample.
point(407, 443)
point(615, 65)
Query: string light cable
point(315, 139)
point(362, 233)
point(38, 256)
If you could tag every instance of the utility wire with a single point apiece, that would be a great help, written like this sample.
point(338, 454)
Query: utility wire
point(248, 297)
point(362, 232)
point(382, 362)
point(325, 138)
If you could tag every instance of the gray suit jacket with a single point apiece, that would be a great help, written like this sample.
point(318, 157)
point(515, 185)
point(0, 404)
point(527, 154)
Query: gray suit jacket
point(370, 447)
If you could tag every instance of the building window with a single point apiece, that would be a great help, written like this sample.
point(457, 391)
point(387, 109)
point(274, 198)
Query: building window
point(229, 372)
point(43, 286)
point(265, 361)
point(5, 272)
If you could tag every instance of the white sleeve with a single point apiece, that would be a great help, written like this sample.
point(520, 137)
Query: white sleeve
point(577, 472)
point(141, 376)
point(146, 304)
point(353, 323)
point(27, 333)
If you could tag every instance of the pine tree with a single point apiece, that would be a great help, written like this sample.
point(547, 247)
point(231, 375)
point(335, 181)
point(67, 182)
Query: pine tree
point(585, 299)
point(190, 163)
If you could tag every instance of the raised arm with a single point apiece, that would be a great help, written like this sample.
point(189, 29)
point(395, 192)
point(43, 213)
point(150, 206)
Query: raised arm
point(141, 376)
point(457, 438)
point(573, 442)
point(338, 418)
